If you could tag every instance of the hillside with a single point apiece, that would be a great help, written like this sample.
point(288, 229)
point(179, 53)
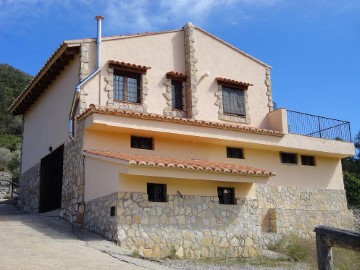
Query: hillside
point(12, 82)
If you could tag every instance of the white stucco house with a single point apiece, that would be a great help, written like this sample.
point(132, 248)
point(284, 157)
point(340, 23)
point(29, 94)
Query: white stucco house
point(170, 140)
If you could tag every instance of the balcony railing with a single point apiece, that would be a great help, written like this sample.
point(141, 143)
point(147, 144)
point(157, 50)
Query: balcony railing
point(318, 126)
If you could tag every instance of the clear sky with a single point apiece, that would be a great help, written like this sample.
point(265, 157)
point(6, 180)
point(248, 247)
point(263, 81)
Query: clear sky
point(312, 45)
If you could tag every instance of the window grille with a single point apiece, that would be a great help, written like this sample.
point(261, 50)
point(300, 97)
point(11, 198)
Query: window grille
point(226, 195)
point(289, 158)
point(177, 95)
point(127, 87)
point(308, 160)
point(142, 142)
point(233, 152)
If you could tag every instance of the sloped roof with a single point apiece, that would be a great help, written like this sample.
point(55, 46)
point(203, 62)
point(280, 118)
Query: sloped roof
point(186, 121)
point(65, 52)
point(47, 74)
point(180, 163)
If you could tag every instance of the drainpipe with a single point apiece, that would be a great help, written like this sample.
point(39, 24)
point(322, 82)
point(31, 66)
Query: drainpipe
point(86, 79)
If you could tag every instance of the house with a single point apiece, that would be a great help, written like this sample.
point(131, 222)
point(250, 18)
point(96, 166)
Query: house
point(170, 140)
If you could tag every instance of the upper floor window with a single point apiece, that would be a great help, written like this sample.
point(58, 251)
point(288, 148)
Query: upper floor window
point(289, 158)
point(233, 101)
point(226, 195)
point(127, 86)
point(307, 160)
point(142, 142)
point(177, 94)
point(234, 152)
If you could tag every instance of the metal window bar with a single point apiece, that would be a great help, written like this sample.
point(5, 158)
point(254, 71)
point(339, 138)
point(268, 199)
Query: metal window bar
point(318, 126)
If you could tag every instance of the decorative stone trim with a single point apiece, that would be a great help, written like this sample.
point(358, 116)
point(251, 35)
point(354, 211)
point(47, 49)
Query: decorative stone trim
point(109, 88)
point(269, 89)
point(84, 71)
point(29, 189)
point(72, 198)
point(168, 110)
point(229, 117)
point(190, 71)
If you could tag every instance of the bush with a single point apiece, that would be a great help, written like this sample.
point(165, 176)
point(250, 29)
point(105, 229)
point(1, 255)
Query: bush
point(352, 187)
point(5, 157)
point(295, 248)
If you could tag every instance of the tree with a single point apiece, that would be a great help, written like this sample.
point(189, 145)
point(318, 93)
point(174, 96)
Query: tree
point(351, 169)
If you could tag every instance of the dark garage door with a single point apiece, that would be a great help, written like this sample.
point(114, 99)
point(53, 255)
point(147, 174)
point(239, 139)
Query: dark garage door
point(51, 174)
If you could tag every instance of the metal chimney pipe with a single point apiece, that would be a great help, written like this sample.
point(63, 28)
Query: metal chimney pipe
point(86, 79)
point(98, 40)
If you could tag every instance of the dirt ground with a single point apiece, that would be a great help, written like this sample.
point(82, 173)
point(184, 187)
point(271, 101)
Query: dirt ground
point(42, 242)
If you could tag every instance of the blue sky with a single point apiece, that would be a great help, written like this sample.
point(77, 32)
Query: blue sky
point(312, 45)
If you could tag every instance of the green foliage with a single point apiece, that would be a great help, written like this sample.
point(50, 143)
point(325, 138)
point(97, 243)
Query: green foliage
point(11, 142)
point(351, 168)
point(12, 82)
point(352, 187)
point(295, 248)
point(5, 157)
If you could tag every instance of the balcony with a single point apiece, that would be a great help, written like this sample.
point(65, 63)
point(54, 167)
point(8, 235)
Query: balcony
point(318, 126)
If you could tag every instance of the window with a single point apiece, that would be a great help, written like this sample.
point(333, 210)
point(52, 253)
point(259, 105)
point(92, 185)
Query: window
point(127, 86)
point(226, 195)
point(156, 192)
point(233, 101)
point(308, 160)
point(289, 158)
point(142, 142)
point(233, 152)
point(112, 211)
point(177, 95)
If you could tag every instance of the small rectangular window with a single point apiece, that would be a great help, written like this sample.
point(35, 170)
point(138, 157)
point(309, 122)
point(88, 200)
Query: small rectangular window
point(308, 160)
point(288, 158)
point(233, 152)
point(233, 101)
point(112, 211)
point(177, 94)
point(226, 195)
point(156, 192)
point(142, 142)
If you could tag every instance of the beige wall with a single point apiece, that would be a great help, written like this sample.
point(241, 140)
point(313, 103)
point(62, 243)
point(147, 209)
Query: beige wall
point(326, 174)
point(46, 121)
point(106, 177)
point(162, 52)
point(165, 52)
point(222, 61)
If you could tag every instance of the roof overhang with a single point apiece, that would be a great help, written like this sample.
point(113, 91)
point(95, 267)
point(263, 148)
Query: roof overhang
point(153, 165)
point(47, 74)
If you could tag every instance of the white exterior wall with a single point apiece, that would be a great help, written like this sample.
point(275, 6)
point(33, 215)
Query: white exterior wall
point(46, 121)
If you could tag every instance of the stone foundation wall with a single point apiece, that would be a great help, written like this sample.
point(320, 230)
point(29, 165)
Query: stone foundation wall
point(98, 219)
point(195, 226)
point(29, 189)
point(298, 210)
point(72, 198)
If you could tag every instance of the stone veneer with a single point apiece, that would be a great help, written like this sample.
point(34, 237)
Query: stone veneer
point(190, 71)
point(297, 210)
point(83, 73)
point(269, 89)
point(230, 117)
point(29, 189)
point(72, 198)
point(197, 226)
point(168, 110)
point(109, 88)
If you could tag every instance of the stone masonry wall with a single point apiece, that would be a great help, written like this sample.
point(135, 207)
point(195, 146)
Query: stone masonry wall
point(98, 219)
point(195, 226)
point(296, 210)
point(29, 189)
point(72, 198)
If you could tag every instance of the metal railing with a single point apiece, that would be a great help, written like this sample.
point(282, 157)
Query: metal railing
point(318, 126)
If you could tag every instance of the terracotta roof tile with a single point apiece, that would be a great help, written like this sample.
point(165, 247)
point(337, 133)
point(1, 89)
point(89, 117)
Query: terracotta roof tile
point(186, 121)
point(128, 66)
point(180, 163)
point(176, 75)
point(230, 82)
